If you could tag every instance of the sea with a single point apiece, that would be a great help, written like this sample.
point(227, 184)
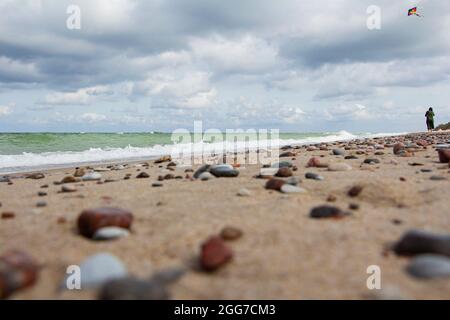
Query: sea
point(22, 152)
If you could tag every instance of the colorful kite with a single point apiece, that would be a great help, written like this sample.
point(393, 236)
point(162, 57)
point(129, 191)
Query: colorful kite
point(413, 12)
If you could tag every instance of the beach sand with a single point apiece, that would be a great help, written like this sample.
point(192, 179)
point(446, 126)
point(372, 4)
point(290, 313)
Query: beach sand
point(282, 254)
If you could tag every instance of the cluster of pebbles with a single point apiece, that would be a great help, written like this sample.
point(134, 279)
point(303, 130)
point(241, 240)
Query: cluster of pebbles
point(109, 276)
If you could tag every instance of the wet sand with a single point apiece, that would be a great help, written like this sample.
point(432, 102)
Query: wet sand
point(283, 253)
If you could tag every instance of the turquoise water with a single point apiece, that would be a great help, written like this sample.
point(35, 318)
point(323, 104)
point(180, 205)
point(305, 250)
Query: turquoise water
point(18, 143)
point(31, 151)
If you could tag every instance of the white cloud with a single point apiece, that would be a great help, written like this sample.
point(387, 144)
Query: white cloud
point(353, 112)
point(16, 70)
point(190, 90)
point(93, 117)
point(80, 97)
point(245, 54)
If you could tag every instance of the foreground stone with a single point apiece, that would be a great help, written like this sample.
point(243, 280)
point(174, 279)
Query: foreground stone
point(275, 184)
point(131, 288)
point(416, 242)
point(429, 266)
point(91, 220)
point(99, 268)
point(444, 155)
point(214, 254)
point(18, 271)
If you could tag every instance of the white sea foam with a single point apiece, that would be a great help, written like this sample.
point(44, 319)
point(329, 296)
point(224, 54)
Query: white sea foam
point(30, 161)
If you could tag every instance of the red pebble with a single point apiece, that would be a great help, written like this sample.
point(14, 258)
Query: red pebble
point(313, 162)
point(274, 184)
point(91, 220)
point(17, 271)
point(444, 155)
point(214, 254)
point(398, 148)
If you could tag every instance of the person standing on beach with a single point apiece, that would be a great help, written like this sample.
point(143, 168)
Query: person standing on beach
point(430, 119)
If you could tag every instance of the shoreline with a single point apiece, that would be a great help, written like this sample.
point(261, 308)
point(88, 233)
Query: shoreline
point(51, 167)
point(282, 253)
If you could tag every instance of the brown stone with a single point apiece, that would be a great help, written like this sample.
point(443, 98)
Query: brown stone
point(143, 175)
point(331, 198)
point(231, 233)
point(284, 172)
point(214, 254)
point(35, 176)
point(274, 184)
point(355, 191)
point(322, 212)
point(313, 162)
point(17, 271)
point(8, 215)
point(79, 172)
point(398, 148)
point(287, 154)
point(164, 159)
point(444, 155)
point(70, 179)
point(91, 220)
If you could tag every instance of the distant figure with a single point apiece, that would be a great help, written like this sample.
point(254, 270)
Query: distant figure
point(430, 119)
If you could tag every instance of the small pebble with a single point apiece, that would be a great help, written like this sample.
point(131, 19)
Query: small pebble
point(214, 254)
point(355, 191)
point(8, 215)
point(327, 212)
point(231, 233)
point(68, 188)
point(244, 192)
point(92, 176)
point(157, 184)
point(314, 176)
point(339, 167)
point(288, 188)
point(41, 204)
point(90, 220)
point(143, 175)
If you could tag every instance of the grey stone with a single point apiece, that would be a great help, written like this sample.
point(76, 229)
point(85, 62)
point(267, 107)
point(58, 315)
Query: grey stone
point(99, 268)
point(429, 266)
point(288, 188)
point(223, 171)
point(313, 176)
point(338, 152)
point(109, 233)
point(204, 176)
point(91, 176)
point(204, 168)
point(339, 167)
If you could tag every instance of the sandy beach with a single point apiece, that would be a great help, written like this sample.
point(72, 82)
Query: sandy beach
point(283, 253)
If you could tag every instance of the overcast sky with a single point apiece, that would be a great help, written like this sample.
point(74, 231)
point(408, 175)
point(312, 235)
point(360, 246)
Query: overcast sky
point(295, 65)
